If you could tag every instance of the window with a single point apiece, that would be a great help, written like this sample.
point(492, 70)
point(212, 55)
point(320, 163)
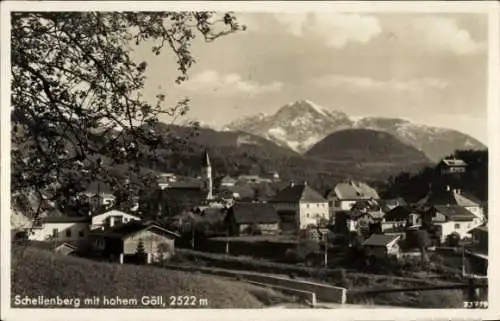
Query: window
point(307, 205)
point(81, 233)
point(68, 233)
point(307, 215)
point(457, 225)
point(55, 232)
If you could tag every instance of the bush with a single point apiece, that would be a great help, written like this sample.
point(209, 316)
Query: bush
point(344, 281)
point(453, 239)
point(437, 259)
point(291, 256)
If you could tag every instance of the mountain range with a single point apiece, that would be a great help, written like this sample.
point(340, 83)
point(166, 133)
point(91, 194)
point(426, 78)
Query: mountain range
point(301, 124)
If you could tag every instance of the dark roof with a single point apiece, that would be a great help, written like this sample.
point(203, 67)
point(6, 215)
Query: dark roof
point(213, 214)
point(195, 194)
point(298, 193)
point(380, 239)
point(399, 213)
point(248, 213)
point(133, 227)
point(65, 219)
point(100, 187)
point(365, 204)
point(455, 212)
point(387, 204)
point(443, 196)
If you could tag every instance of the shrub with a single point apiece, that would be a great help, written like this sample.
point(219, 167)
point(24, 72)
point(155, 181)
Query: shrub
point(291, 256)
point(344, 281)
point(437, 259)
point(453, 239)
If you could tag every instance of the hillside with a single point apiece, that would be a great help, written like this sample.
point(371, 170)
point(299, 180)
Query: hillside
point(433, 141)
point(236, 153)
point(41, 272)
point(365, 146)
point(301, 124)
point(414, 186)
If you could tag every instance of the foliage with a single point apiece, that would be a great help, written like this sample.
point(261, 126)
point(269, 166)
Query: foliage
point(307, 248)
point(413, 187)
point(422, 241)
point(453, 239)
point(77, 107)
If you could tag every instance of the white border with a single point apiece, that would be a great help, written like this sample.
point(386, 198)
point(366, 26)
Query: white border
point(487, 7)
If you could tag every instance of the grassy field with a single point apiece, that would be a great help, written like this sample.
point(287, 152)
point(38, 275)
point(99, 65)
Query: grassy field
point(37, 272)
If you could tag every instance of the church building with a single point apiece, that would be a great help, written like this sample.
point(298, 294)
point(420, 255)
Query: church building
point(180, 195)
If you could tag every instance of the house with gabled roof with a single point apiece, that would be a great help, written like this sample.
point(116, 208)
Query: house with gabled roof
point(453, 196)
point(127, 241)
point(382, 246)
point(451, 165)
point(452, 219)
point(346, 194)
point(61, 228)
point(246, 218)
point(298, 206)
point(401, 217)
point(111, 218)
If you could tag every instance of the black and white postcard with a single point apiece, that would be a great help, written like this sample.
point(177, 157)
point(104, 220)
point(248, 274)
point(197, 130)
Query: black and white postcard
point(166, 160)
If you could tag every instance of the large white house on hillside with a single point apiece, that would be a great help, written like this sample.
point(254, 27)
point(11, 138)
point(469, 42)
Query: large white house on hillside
point(299, 206)
point(346, 194)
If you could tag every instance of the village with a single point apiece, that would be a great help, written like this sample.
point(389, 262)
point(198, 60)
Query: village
point(297, 226)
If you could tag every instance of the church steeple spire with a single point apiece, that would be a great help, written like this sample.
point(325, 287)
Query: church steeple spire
point(207, 174)
point(206, 159)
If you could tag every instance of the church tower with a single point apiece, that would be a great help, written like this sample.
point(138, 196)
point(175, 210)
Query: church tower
point(207, 175)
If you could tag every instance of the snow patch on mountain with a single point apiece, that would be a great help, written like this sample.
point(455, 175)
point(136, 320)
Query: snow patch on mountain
point(301, 124)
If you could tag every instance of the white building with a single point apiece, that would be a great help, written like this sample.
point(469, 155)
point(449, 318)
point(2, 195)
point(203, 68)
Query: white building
point(60, 228)
point(346, 194)
point(111, 218)
point(299, 206)
point(454, 218)
point(454, 196)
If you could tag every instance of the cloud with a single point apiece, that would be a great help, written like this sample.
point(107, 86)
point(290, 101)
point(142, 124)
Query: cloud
point(336, 29)
point(434, 34)
point(444, 33)
point(228, 84)
point(367, 83)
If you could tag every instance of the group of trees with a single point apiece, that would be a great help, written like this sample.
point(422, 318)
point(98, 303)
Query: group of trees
point(77, 106)
point(413, 187)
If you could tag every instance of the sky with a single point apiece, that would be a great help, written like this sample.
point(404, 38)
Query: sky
point(428, 68)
